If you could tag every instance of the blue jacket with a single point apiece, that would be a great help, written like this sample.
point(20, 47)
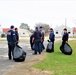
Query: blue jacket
point(52, 36)
point(11, 36)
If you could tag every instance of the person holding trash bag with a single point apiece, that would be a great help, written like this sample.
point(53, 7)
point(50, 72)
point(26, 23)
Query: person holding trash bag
point(11, 38)
point(64, 37)
point(65, 47)
point(52, 38)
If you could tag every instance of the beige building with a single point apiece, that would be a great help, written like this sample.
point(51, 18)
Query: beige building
point(24, 32)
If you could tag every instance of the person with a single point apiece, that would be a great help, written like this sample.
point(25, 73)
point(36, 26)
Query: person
point(64, 37)
point(16, 33)
point(52, 38)
point(41, 30)
point(11, 39)
point(37, 41)
point(32, 43)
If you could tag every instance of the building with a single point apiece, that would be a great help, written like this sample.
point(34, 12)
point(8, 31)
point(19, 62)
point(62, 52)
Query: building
point(24, 32)
point(59, 31)
point(0, 30)
point(5, 30)
point(74, 31)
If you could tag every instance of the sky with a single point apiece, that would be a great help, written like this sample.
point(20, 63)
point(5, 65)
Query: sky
point(52, 12)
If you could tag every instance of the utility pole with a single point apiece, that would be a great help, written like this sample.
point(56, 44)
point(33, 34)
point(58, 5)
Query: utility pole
point(65, 22)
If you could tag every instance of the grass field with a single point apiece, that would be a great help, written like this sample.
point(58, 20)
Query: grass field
point(59, 63)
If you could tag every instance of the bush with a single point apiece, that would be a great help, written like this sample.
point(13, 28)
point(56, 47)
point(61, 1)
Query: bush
point(2, 35)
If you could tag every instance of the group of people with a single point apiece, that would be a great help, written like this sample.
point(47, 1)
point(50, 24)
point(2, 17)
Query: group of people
point(13, 39)
point(36, 39)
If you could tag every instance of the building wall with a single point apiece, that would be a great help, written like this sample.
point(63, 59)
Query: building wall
point(0, 30)
point(24, 32)
point(74, 34)
point(59, 31)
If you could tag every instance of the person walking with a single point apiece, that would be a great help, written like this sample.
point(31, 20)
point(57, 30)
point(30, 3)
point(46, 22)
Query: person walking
point(64, 37)
point(42, 33)
point(11, 39)
point(52, 38)
point(37, 41)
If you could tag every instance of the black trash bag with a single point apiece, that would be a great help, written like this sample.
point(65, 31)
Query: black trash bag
point(19, 54)
point(33, 47)
point(67, 49)
point(49, 46)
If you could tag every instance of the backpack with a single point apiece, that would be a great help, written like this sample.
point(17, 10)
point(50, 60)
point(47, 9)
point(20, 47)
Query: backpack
point(19, 54)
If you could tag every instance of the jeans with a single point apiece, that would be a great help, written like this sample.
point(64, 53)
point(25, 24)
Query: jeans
point(37, 46)
point(42, 46)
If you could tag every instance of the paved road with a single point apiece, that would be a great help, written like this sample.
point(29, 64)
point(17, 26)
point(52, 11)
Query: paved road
point(5, 64)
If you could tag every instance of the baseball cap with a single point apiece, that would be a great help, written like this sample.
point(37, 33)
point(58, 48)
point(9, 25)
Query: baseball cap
point(12, 26)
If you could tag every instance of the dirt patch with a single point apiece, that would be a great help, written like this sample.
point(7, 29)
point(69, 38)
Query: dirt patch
point(26, 69)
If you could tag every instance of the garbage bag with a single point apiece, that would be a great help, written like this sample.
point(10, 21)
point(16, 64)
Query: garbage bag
point(66, 49)
point(19, 54)
point(49, 46)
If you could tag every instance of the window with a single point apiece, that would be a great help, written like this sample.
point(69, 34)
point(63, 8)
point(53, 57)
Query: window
point(69, 32)
point(56, 32)
point(23, 33)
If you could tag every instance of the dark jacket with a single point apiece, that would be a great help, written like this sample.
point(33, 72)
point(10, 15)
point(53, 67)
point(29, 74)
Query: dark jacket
point(31, 37)
point(52, 36)
point(42, 33)
point(17, 35)
point(65, 37)
point(11, 36)
point(37, 35)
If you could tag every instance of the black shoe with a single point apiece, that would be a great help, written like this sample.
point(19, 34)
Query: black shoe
point(10, 59)
point(39, 52)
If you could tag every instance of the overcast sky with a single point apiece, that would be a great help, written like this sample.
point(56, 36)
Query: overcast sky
point(52, 12)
